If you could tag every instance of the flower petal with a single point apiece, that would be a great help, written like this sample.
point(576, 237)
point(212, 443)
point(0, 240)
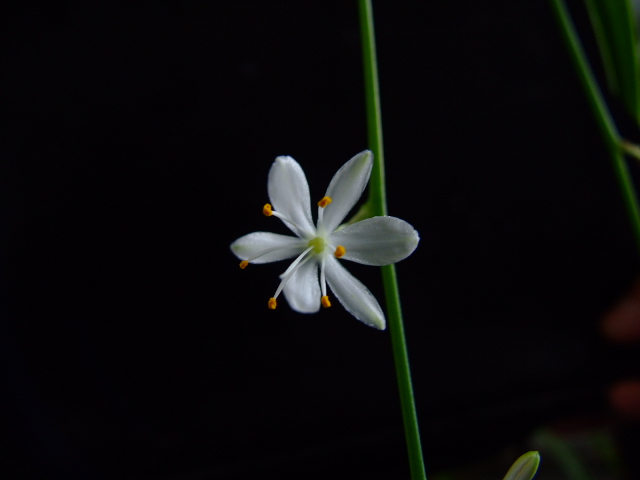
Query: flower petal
point(289, 195)
point(345, 189)
point(353, 295)
point(303, 290)
point(377, 240)
point(279, 247)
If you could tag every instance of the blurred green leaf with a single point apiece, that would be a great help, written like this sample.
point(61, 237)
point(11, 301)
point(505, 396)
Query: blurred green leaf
point(614, 27)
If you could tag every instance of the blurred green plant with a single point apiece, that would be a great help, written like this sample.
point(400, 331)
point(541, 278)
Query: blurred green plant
point(614, 28)
point(615, 31)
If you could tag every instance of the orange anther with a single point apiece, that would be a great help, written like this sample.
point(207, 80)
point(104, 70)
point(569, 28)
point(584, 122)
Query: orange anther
point(324, 202)
point(340, 251)
point(267, 210)
point(243, 264)
point(272, 303)
point(325, 301)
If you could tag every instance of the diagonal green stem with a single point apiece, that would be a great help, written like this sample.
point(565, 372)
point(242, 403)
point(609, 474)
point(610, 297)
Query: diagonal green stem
point(601, 112)
point(378, 206)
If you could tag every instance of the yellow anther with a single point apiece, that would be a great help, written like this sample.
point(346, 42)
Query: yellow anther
point(325, 301)
point(267, 210)
point(272, 303)
point(340, 251)
point(243, 264)
point(324, 202)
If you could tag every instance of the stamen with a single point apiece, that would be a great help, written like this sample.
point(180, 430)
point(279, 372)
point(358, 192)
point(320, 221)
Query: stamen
point(272, 304)
point(324, 202)
point(340, 251)
point(295, 263)
point(323, 279)
point(325, 302)
point(288, 273)
point(269, 212)
point(286, 278)
point(243, 264)
point(259, 254)
point(321, 204)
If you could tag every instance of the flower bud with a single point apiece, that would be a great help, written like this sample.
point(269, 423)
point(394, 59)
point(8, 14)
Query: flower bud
point(524, 468)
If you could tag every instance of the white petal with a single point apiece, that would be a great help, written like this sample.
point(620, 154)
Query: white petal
point(303, 290)
point(289, 195)
point(254, 243)
point(377, 240)
point(345, 189)
point(353, 295)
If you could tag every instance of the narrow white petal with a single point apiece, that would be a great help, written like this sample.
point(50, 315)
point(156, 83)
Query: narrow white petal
point(303, 290)
point(289, 195)
point(353, 295)
point(377, 240)
point(279, 247)
point(345, 189)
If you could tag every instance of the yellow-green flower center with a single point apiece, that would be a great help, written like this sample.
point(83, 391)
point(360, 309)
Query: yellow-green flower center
point(317, 244)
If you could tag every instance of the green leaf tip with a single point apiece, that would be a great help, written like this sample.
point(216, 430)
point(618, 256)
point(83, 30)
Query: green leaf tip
point(524, 468)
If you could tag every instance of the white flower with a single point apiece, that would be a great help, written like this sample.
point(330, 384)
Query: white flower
point(374, 241)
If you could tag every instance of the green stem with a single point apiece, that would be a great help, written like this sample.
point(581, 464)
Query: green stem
point(601, 112)
point(377, 190)
point(378, 204)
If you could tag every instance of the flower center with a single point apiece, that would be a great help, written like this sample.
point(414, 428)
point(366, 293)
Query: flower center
point(318, 244)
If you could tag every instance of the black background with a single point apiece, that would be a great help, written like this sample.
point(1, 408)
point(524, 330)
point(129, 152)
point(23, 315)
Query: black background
point(135, 148)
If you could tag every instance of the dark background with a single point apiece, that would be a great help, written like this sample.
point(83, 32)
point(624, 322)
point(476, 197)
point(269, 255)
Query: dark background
point(135, 148)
